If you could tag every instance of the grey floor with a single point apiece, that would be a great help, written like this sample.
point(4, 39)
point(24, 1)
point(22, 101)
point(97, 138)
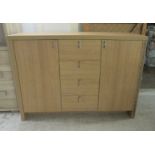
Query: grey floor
point(144, 120)
point(148, 79)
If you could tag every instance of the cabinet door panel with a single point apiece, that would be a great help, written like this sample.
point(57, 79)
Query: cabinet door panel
point(37, 62)
point(119, 75)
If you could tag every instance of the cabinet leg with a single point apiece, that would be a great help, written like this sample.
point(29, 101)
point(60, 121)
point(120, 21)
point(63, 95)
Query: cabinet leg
point(131, 114)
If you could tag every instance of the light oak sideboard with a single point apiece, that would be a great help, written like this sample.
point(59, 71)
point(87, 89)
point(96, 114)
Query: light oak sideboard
point(85, 71)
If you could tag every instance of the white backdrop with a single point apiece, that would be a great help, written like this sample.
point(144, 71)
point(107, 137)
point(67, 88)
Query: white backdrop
point(11, 28)
point(50, 27)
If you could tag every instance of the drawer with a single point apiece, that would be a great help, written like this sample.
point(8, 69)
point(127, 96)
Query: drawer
point(7, 90)
point(80, 87)
point(79, 49)
point(3, 48)
point(4, 57)
point(5, 73)
point(8, 104)
point(79, 69)
point(79, 103)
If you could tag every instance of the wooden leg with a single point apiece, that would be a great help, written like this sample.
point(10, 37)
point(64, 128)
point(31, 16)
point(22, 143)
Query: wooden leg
point(131, 114)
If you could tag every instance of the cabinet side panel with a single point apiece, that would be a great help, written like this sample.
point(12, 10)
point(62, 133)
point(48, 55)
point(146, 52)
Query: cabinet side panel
point(119, 74)
point(13, 63)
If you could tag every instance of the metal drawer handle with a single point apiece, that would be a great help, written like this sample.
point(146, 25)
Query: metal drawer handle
point(79, 98)
point(103, 44)
point(79, 44)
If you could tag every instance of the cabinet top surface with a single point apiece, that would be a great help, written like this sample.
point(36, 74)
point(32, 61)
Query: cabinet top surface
point(78, 35)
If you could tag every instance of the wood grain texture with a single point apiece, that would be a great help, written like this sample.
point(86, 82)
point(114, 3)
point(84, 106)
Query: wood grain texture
point(39, 75)
point(78, 35)
point(79, 49)
point(79, 69)
point(79, 73)
point(119, 74)
point(144, 29)
point(15, 72)
point(80, 87)
point(79, 103)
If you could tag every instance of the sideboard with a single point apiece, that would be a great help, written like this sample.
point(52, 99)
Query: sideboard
point(85, 71)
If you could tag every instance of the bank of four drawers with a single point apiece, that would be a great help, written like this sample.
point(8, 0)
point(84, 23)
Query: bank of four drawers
point(79, 74)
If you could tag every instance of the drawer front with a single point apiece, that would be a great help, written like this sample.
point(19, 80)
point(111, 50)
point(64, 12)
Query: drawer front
point(79, 69)
point(5, 73)
point(7, 90)
point(79, 87)
point(79, 103)
point(4, 57)
point(79, 74)
point(79, 49)
point(8, 104)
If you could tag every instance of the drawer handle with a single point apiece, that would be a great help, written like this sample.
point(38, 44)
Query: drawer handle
point(78, 64)
point(79, 44)
point(103, 44)
point(79, 98)
point(3, 93)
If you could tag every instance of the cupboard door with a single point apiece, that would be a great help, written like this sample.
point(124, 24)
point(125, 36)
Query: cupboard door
point(38, 69)
point(120, 68)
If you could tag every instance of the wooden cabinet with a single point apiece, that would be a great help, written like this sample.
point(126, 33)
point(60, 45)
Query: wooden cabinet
point(77, 72)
